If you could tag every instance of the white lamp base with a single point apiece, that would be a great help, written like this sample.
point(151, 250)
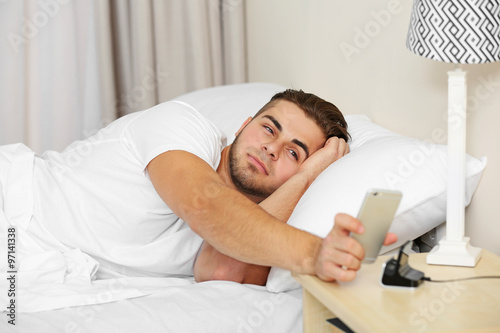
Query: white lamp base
point(454, 253)
point(454, 249)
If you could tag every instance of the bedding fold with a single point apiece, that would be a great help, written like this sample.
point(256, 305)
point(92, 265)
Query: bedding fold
point(45, 274)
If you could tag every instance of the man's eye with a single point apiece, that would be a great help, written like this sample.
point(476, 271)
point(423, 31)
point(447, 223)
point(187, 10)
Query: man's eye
point(294, 154)
point(269, 129)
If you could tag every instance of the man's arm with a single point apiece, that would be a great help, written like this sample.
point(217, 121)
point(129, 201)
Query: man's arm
point(213, 265)
point(225, 218)
point(241, 229)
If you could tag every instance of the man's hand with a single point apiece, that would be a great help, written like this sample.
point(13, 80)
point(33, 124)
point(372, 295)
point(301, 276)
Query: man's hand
point(333, 149)
point(340, 255)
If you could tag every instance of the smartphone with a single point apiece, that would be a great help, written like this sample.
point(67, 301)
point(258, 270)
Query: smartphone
point(376, 214)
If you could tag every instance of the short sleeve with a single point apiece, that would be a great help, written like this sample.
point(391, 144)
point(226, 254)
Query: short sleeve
point(169, 126)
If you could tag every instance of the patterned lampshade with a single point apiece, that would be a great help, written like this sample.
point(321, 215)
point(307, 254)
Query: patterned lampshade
point(456, 31)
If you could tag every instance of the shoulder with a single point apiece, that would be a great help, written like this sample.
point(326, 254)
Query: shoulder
point(172, 126)
point(177, 114)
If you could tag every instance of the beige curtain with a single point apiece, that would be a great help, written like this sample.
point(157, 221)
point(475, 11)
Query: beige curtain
point(166, 48)
point(70, 67)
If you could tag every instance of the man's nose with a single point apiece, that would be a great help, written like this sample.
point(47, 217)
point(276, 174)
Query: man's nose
point(271, 150)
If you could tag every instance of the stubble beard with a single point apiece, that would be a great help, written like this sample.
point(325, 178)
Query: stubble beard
point(241, 174)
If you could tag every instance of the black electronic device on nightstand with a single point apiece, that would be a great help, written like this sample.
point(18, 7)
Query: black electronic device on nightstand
point(398, 273)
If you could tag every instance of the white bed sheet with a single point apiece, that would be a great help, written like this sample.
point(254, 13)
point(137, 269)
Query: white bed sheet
point(215, 306)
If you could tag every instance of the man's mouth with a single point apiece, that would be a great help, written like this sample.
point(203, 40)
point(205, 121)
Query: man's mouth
point(258, 164)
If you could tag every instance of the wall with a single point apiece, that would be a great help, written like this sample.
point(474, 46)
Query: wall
point(353, 53)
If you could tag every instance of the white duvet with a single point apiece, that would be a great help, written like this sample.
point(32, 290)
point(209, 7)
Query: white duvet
point(41, 273)
point(55, 293)
point(55, 289)
point(185, 306)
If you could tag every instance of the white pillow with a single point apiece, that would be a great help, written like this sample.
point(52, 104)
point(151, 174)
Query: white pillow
point(229, 106)
point(379, 158)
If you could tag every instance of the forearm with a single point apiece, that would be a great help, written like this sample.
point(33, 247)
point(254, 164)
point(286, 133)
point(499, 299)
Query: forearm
point(282, 202)
point(246, 232)
point(213, 265)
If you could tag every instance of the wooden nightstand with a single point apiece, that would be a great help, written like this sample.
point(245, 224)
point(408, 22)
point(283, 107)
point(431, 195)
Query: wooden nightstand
point(365, 306)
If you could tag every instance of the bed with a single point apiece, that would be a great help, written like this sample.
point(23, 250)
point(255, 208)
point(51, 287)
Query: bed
point(379, 158)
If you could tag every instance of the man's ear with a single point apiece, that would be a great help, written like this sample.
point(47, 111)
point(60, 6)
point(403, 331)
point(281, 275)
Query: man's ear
point(243, 125)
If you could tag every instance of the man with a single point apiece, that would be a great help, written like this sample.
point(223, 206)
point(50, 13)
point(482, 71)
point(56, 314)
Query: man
point(267, 164)
point(132, 195)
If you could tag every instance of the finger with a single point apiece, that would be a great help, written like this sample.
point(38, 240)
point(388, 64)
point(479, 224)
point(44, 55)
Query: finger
point(343, 250)
point(331, 140)
point(348, 223)
point(336, 143)
point(347, 149)
point(339, 144)
point(390, 238)
point(348, 246)
point(343, 146)
point(331, 272)
point(332, 145)
point(349, 260)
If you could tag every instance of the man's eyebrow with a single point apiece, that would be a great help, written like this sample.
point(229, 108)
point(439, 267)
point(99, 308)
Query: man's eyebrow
point(275, 122)
point(302, 145)
point(295, 141)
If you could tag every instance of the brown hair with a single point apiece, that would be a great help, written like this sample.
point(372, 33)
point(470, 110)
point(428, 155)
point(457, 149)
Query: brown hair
point(326, 115)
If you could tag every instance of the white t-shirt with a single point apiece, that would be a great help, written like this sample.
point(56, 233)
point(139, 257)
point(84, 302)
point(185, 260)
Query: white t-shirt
point(96, 194)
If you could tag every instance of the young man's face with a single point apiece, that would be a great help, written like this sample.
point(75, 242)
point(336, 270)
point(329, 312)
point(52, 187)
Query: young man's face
point(269, 149)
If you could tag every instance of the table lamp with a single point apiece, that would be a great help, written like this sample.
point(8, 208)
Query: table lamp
point(459, 32)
